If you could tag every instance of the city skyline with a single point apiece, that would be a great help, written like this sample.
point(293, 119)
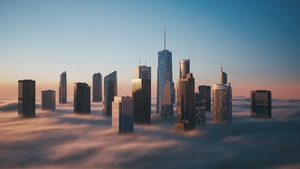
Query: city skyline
point(257, 41)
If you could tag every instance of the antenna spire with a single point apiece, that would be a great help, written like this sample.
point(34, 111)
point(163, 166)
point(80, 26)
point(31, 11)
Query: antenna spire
point(165, 39)
point(221, 67)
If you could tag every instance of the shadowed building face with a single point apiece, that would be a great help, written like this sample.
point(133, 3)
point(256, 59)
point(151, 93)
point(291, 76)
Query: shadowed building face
point(26, 98)
point(110, 91)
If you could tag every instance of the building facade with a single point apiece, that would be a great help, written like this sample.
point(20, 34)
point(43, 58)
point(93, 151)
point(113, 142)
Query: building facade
point(48, 100)
point(82, 98)
point(223, 76)
point(222, 103)
point(110, 91)
point(97, 87)
point(261, 104)
point(185, 103)
point(204, 95)
point(26, 98)
point(141, 95)
point(165, 85)
point(63, 88)
point(142, 72)
point(200, 113)
point(122, 115)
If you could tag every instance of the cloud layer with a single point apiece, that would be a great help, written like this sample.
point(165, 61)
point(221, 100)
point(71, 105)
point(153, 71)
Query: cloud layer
point(61, 139)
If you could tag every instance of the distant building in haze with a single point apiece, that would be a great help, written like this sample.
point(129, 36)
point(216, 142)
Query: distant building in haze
point(165, 85)
point(122, 114)
point(204, 93)
point(97, 87)
point(110, 91)
point(185, 104)
point(63, 88)
point(48, 100)
point(142, 72)
point(82, 98)
point(261, 104)
point(26, 98)
point(222, 101)
point(184, 68)
point(141, 95)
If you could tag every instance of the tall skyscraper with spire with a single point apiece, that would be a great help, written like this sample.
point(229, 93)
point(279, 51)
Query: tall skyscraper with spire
point(222, 99)
point(63, 88)
point(165, 85)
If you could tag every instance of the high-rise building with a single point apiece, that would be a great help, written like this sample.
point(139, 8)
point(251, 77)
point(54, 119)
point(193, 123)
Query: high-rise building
point(122, 114)
point(82, 98)
point(223, 76)
point(141, 95)
point(185, 104)
point(110, 91)
point(204, 96)
point(26, 98)
point(97, 87)
point(261, 101)
point(200, 113)
point(142, 72)
point(63, 88)
point(48, 100)
point(184, 67)
point(165, 85)
point(222, 102)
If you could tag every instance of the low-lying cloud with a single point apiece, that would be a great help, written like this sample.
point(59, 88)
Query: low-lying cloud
point(61, 139)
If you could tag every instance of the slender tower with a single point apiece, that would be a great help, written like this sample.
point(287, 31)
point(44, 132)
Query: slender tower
point(63, 88)
point(165, 85)
point(223, 76)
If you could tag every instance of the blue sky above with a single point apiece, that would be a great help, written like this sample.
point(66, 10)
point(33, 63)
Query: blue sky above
point(257, 41)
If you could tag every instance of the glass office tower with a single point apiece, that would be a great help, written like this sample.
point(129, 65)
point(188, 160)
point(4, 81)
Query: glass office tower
point(222, 102)
point(110, 91)
point(63, 88)
point(26, 98)
point(165, 85)
point(97, 87)
point(48, 100)
point(82, 99)
point(261, 104)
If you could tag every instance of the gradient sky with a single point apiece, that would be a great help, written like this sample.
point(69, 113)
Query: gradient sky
point(257, 41)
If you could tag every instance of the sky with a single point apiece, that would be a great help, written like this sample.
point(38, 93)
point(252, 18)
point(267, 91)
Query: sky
point(258, 42)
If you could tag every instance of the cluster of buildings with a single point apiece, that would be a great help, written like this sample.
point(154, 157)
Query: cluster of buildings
point(126, 111)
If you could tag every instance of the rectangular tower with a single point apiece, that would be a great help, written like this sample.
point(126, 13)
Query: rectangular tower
point(142, 72)
point(82, 99)
point(185, 103)
point(63, 88)
point(48, 100)
point(97, 87)
point(261, 104)
point(141, 95)
point(204, 96)
point(110, 91)
point(26, 98)
point(122, 114)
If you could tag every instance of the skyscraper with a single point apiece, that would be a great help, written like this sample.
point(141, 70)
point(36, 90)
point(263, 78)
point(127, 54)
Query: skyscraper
point(48, 100)
point(222, 102)
point(204, 96)
point(200, 113)
point(142, 72)
point(184, 67)
point(97, 87)
point(185, 104)
point(63, 88)
point(141, 95)
point(223, 76)
point(82, 99)
point(122, 114)
point(26, 98)
point(261, 101)
point(165, 85)
point(110, 91)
